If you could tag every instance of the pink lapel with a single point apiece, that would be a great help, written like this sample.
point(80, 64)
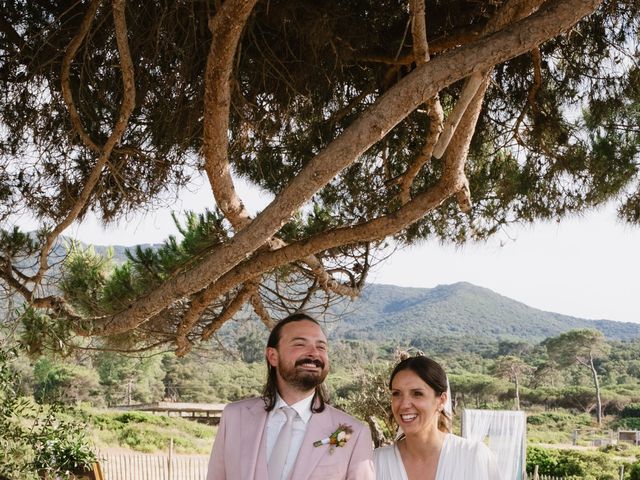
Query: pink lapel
point(252, 449)
point(320, 426)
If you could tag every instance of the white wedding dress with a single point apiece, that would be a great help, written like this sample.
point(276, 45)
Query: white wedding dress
point(460, 459)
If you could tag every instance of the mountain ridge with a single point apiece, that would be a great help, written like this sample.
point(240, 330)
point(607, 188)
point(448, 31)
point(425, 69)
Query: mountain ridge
point(460, 309)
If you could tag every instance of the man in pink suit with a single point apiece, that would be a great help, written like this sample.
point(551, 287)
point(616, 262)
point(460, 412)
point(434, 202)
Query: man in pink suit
point(291, 433)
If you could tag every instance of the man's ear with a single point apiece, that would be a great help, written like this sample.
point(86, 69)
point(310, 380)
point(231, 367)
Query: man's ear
point(271, 354)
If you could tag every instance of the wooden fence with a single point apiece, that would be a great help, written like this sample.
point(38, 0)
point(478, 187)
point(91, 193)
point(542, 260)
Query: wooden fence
point(152, 467)
point(535, 476)
point(546, 477)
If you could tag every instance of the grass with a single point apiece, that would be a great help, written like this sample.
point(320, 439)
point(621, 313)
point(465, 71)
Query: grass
point(556, 427)
point(149, 433)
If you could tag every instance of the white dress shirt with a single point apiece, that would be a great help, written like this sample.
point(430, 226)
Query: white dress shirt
point(276, 420)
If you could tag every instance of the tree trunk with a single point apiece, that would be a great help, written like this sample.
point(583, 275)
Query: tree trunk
point(515, 379)
point(597, 385)
point(379, 439)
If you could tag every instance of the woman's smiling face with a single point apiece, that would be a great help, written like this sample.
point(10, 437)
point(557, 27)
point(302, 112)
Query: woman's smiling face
point(414, 403)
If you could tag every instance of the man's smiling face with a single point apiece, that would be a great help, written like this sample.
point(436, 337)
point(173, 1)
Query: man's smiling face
point(300, 358)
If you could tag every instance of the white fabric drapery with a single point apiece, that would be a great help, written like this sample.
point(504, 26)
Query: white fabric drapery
point(505, 434)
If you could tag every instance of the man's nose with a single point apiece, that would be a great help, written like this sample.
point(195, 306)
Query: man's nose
point(313, 351)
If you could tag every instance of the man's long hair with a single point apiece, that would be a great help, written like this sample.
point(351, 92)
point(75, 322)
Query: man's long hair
point(320, 397)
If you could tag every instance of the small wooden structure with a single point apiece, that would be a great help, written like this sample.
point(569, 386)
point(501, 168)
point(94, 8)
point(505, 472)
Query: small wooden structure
point(208, 413)
point(630, 436)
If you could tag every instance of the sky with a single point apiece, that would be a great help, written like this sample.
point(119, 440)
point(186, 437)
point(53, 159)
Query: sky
point(586, 266)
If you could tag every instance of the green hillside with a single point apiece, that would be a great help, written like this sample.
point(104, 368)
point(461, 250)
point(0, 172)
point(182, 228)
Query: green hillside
point(461, 309)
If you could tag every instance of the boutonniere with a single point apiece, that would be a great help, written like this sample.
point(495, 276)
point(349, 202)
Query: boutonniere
point(337, 438)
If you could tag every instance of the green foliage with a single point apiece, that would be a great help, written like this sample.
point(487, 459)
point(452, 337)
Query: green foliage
point(41, 333)
point(193, 379)
point(367, 397)
point(556, 427)
point(476, 390)
point(573, 463)
point(66, 383)
point(37, 439)
point(84, 276)
point(559, 420)
point(634, 471)
point(94, 286)
point(61, 446)
point(250, 341)
point(576, 346)
point(628, 423)
point(14, 441)
point(127, 379)
point(632, 410)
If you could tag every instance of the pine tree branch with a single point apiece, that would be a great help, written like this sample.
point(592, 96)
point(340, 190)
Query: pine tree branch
point(459, 145)
point(536, 58)
point(6, 274)
point(261, 311)
point(236, 304)
point(126, 108)
point(69, 57)
point(419, 31)
point(457, 38)
point(452, 182)
point(226, 27)
point(434, 108)
point(510, 12)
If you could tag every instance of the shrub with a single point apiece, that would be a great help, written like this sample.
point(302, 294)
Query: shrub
point(568, 463)
point(37, 438)
point(631, 410)
point(634, 471)
point(629, 423)
point(559, 420)
point(61, 446)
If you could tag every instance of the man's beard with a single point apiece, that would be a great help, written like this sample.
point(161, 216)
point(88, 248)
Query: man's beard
point(303, 379)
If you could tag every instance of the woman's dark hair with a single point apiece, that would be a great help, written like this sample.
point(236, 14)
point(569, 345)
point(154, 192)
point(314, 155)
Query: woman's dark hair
point(320, 397)
point(431, 373)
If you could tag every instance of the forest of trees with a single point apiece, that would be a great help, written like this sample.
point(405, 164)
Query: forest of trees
point(504, 374)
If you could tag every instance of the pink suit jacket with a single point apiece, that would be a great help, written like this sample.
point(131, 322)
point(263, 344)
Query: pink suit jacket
point(239, 453)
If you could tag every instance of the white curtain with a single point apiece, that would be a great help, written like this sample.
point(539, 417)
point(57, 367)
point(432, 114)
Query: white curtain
point(505, 434)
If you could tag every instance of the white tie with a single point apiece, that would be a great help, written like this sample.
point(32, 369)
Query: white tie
point(281, 448)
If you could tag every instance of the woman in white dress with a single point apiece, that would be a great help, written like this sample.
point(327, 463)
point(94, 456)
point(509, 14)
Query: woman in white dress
point(427, 450)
